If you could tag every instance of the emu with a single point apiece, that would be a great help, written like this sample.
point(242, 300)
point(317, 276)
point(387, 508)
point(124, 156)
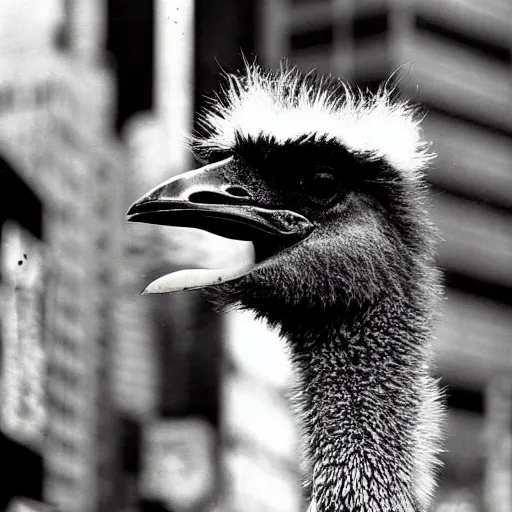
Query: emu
point(327, 181)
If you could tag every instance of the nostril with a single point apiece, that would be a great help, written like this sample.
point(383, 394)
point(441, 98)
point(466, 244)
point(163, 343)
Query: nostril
point(229, 195)
point(208, 198)
point(238, 192)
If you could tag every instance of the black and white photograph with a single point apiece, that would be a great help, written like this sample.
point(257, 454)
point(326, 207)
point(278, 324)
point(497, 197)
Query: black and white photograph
point(256, 256)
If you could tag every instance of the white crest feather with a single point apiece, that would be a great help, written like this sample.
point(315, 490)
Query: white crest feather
point(285, 106)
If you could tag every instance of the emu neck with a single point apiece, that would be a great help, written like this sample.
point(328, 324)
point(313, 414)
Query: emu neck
point(370, 412)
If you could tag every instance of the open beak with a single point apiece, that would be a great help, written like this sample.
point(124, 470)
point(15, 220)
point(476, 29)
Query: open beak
point(205, 199)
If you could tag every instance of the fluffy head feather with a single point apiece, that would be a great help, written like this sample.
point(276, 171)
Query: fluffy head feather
point(287, 105)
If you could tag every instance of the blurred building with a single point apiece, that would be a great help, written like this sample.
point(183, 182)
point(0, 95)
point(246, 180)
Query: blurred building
point(260, 435)
point(187, 382)
point(56, 137)
point(168, 349)
point(457, 57)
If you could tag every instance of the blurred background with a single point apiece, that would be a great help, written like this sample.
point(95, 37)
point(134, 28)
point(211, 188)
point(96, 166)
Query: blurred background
point(115, 402)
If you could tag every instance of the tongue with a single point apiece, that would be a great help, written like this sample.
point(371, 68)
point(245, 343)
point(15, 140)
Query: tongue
point(193, 279)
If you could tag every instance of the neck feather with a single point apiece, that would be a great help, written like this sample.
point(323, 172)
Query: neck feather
point(370, 411)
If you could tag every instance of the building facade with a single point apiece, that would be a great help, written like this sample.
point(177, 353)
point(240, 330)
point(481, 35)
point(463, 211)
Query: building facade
point(455, 58)
point(56, 134)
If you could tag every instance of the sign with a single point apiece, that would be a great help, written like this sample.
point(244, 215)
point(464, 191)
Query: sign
point(23, 411)
point(178, 462)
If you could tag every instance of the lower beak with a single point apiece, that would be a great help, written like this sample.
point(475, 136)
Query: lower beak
point(205, 199)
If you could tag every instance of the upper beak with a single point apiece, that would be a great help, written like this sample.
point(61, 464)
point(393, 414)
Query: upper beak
point(205, 199)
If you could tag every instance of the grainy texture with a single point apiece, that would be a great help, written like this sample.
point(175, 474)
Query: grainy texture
point(356, 301)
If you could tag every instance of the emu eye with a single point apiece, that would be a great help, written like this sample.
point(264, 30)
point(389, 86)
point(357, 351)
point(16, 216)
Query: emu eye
point(321, 185)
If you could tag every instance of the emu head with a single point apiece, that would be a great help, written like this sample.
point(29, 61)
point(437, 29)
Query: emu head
point(325, 181)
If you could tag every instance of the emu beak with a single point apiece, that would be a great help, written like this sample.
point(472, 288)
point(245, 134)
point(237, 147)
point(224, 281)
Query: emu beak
point(205, 199)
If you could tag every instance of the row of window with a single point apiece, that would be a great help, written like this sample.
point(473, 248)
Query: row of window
point(377, 24)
